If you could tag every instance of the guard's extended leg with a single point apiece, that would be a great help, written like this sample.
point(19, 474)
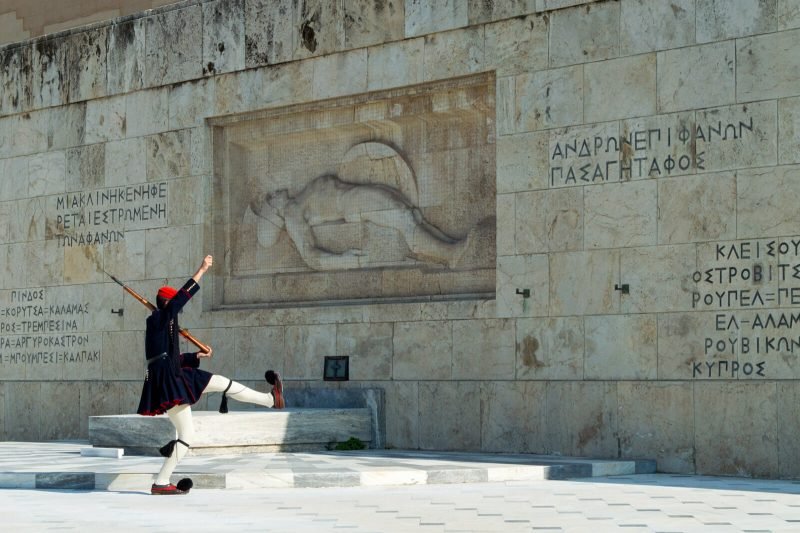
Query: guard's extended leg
point(239, 392)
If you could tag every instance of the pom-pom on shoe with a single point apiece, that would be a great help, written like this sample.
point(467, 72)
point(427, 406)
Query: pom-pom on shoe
point(274, 379)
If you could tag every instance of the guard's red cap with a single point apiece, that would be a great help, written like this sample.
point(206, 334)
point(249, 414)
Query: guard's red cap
point(167, 292)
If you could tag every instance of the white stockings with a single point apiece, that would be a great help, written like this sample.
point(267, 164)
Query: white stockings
point(181, 418)
point(239, 392)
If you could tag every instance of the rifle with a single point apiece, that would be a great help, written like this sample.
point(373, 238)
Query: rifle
point(184, 332)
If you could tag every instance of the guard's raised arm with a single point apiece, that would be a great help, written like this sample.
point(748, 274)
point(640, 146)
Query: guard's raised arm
point(204, 266)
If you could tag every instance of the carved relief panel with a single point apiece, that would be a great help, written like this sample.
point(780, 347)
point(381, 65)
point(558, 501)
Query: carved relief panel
point(376, 197)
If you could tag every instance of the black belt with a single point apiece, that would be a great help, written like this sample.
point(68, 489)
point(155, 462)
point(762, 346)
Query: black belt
point(151, 360)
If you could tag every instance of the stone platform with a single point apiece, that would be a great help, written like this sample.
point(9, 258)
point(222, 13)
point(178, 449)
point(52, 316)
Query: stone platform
point(236, 432)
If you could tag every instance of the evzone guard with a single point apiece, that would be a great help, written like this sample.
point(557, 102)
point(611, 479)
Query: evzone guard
point(174, 382)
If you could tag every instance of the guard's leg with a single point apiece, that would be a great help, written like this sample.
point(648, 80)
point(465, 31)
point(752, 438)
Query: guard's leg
point(181, 418)
point(239, 392)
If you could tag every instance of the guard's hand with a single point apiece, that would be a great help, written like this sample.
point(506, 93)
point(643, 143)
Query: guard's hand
point(207, 262)
point(205, 354)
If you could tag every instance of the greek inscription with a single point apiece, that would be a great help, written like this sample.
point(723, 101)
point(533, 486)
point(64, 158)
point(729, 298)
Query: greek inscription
point(45, 358)
point(749, 284)
point(746, 345)
point(27, 295)
point(758, 249)
point(727, 369)
point(100, 216)
point(650, 152)
point(35, 331)
point(729, 321)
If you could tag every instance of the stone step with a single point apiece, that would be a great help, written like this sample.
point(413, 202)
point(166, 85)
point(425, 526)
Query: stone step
point(253, 431)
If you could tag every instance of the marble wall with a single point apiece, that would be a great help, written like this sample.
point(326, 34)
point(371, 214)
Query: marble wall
point(645, 163)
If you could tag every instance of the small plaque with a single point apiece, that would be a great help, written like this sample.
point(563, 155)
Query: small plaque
point(337, 368)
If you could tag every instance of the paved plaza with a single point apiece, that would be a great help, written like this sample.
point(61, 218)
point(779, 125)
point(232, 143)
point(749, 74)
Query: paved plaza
point(378, 491)
point(61, 465)
point(649, 502)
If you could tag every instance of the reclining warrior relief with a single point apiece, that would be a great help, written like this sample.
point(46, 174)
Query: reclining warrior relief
point(338, 223)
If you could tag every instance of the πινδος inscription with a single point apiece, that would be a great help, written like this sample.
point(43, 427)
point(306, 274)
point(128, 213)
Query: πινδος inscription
point(40, 330)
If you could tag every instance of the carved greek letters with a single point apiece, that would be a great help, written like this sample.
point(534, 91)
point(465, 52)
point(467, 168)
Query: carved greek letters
point(35, 331)
point(728, 369)
point(752, 287)
point(660, 148)
point(100, 216)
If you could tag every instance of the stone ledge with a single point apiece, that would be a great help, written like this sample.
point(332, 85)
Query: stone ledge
point(254, 431)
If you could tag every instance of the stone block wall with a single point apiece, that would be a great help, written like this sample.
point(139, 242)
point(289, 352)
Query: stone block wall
point(21, 20)
point(645, 174)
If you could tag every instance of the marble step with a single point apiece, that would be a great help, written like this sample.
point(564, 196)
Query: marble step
point(254, 431)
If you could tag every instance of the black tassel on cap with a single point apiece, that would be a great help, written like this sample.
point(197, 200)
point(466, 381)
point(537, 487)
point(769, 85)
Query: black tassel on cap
point(269, 375)
point(185, 484)
point(223, 404)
